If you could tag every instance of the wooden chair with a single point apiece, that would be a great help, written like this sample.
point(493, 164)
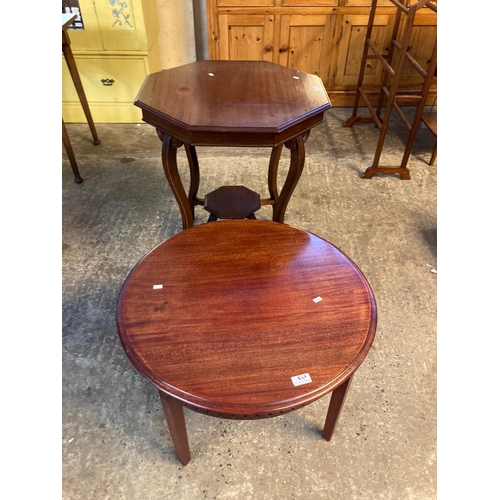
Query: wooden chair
point(430, 119)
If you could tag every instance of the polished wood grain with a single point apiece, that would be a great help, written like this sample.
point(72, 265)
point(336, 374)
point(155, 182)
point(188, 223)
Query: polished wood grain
point(243, 103)
point(232, 103)
point(235, 319)
point(232, 202)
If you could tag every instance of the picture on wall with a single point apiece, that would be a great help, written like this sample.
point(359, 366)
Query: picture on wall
point(73, 7)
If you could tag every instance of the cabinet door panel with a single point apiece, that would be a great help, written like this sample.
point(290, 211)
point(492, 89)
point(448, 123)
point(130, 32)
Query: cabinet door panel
point(90, 37)
point(351, 45)
point(422, 41)
point(246, 37)
point(306, 43)
point(122, 25)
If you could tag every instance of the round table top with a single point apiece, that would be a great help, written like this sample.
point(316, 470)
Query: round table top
point(246, 318)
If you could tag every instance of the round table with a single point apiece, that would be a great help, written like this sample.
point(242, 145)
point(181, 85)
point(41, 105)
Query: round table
point(246, 319)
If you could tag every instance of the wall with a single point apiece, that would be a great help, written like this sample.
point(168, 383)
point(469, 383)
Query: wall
point(176, 38)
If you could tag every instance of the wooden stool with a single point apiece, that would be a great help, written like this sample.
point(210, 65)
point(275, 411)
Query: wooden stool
point(231, 202)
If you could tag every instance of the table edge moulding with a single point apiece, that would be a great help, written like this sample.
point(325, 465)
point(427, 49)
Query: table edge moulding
point(232, 104)
point(216, 341)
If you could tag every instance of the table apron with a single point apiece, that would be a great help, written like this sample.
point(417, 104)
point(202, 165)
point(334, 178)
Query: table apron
point(231, 138)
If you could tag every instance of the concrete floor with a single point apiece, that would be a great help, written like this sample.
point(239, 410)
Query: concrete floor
point(115, 441)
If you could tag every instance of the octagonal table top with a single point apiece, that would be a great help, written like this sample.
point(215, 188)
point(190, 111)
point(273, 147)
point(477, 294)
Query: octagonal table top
point(200, 99)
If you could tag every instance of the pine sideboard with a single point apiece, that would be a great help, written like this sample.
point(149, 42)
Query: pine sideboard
point(322, 37)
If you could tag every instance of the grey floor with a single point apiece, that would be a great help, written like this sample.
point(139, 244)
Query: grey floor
point(115, 443)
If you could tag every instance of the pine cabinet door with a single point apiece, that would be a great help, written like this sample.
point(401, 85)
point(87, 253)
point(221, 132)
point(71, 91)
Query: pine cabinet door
point(351, 45)
point(246, 37)
point(306, 43)
point(422, 41)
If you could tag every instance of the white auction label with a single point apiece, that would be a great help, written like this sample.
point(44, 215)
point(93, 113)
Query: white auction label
point(305, 378)
point(157, 287)
point(317, 299)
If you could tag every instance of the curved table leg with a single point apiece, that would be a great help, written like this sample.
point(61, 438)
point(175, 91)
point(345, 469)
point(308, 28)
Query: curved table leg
point(297, 159)
point(335, 407)
point(194, 171)
point(171, 169)
point(174, 414)
point(272, 176)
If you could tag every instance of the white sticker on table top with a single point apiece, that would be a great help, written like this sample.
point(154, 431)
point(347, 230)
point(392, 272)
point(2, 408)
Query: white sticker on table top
point(305, 378)
point(317, 299)
point(317, 88)
point(157, 287)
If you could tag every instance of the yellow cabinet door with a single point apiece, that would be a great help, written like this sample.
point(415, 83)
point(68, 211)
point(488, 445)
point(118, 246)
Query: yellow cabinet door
point(88, 39)
point(306, 43)
point(246, 37)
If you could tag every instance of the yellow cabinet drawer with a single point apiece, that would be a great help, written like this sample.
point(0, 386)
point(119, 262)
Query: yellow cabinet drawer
point(123, 77)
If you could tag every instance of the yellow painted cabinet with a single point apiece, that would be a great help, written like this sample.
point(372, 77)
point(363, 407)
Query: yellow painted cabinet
point(114, 53)
point(323, 37)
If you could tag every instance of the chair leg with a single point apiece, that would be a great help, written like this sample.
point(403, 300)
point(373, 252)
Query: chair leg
point(71, 154)
point(434, 154)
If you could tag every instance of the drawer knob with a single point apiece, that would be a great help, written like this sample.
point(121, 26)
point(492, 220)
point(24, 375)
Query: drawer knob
point(267, 48)
point(284, 48)
point(107, 82)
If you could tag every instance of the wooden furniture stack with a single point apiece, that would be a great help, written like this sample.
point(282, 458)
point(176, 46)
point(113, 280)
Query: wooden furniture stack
point(114, 53)
point(322, 37)
point(390, 94)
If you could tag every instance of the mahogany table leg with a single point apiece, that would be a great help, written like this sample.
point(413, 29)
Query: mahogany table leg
point(297, 159)
point(71, 154)
point(174, 414)
point(335, 407)
point(171, 169)
point(73, 71)
point(272, 176)
point(194, 171)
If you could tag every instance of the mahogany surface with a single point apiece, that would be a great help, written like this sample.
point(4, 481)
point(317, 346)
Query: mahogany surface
point(244, 103)
point(235, 320)
point(232, 202)
point(232, 103)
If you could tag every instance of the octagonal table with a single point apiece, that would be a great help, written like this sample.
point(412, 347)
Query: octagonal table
point(232, 103)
